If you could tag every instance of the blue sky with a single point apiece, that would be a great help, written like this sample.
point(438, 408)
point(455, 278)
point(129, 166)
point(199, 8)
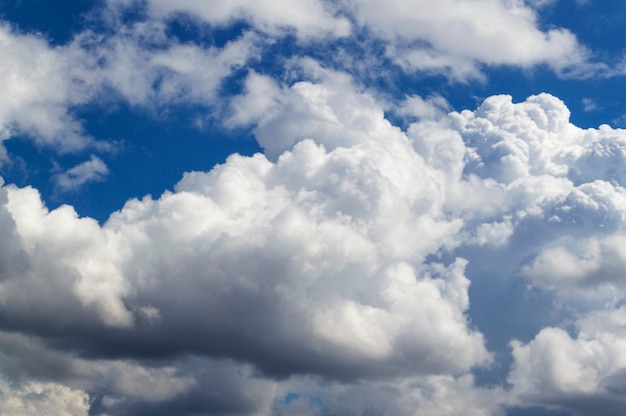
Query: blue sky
point(351, 207)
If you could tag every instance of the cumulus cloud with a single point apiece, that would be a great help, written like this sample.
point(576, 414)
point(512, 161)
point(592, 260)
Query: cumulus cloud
point(583, 373)
point(331, 279)
point(313, 263)
point(146, 68)
point(458, 36)
point(37, 92)
point(139, 64)
point(327, 107)
point(33, 398)
point(341, 253)
point(331, 274)
point(452, 37)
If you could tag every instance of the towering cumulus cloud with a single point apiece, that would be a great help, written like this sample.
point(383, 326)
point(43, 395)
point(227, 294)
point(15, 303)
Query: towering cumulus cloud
point(380, 253)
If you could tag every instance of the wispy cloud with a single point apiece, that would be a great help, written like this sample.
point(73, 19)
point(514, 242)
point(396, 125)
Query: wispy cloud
point(93, 170)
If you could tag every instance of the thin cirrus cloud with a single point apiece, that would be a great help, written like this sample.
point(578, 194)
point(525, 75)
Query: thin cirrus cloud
point(363, 263)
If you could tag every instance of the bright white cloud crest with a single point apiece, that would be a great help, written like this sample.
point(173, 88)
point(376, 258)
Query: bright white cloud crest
point(332, 273)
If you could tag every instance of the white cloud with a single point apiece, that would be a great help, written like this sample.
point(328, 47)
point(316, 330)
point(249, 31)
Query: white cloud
point(37, 92)
point(460, 35)
point(433, 107)
point(584, 373)
point(310, 18)
point(328, 108)
point(35, 398)
point(171, 73)
point(92, 170)
point(63, 263)
point(451, 37)
point(339, 264)
point(312, 264)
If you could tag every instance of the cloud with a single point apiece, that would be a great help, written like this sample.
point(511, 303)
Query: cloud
point(345, 254)
point(589, 104)
point(325, 106)
point(126, 387)
point(37, 93)
point(451, 37)
point(33, 398)
point(311, 264)
point(146, 68)
point(414, 106)
point(459, 36)
point(583, 373)
point(312, 18)
point(92, 170)
point(330, 283)
point(333, 273)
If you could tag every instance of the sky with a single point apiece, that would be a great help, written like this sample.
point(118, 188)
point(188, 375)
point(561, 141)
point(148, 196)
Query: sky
point(348, 207)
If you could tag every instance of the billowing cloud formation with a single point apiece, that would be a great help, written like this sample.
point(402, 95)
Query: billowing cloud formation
point(321, 261)
point(584, 373)
point(333, 273)
point(146, 67)
point(331, 280)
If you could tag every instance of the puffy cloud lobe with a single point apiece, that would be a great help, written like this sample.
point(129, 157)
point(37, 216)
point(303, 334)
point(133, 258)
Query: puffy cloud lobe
point(584, 264)
point(35, 398)
point(325, 285)
point(328, 109)
point(536, 138)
